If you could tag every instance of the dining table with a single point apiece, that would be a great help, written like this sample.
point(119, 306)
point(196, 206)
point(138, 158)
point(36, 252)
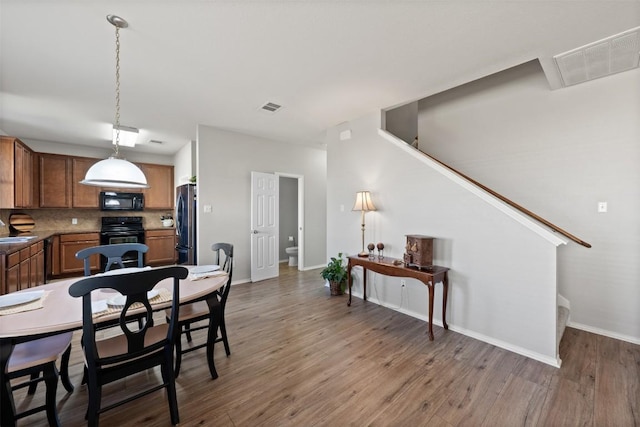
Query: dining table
point(60, 312)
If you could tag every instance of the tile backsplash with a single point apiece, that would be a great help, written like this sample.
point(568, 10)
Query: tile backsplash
point(88, 220)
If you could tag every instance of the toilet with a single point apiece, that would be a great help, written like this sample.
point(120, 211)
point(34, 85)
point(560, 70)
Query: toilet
point(293, 255)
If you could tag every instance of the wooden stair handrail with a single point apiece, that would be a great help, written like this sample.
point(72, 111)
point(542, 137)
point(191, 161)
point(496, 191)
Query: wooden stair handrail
point(510, 202)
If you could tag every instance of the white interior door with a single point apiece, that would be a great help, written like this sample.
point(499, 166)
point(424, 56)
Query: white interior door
point(264, 225)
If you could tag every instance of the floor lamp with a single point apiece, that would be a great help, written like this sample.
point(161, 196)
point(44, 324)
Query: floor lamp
point(364, 205)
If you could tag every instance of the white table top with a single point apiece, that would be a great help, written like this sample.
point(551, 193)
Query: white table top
point(62, 312)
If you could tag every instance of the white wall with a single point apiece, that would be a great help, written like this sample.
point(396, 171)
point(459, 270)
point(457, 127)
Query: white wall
point(502, 279)
point(184, 162)
point(558, 153)
point(403, 121)
point(225, 162)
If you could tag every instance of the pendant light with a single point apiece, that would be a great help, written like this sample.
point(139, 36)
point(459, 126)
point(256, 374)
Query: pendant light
point(114, 171)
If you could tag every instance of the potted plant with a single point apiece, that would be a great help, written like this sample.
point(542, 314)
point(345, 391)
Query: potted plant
point(336, 273)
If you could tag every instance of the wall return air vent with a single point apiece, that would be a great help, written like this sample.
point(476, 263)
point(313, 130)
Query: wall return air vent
point(270, 107)
point(612, 55)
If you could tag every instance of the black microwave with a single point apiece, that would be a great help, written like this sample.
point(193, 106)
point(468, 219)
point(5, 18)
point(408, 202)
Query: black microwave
point(116, 201)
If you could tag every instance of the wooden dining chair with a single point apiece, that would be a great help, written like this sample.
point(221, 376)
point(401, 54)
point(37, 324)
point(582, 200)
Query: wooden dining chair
point(200, 311)
point(33, 358)
point(130, 351)
point(113, 253)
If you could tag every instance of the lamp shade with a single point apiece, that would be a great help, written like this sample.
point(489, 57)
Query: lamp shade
point(113, 172)
point(363, 202)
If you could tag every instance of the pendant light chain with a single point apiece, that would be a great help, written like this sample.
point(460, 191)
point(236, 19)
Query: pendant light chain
point(117, 120)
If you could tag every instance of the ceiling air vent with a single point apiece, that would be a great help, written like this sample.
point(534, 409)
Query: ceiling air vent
point(270, 107)
point(155, 141)
point(602, 58)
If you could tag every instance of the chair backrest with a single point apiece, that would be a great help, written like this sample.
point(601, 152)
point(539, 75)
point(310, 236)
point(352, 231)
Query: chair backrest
point(224, 258)
point(113, 253)
point(134, 286)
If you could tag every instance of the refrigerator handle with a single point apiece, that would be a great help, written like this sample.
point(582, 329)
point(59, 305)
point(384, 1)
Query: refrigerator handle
point(179, 204)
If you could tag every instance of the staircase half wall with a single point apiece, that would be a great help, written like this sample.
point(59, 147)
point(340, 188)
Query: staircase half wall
point(503, 264)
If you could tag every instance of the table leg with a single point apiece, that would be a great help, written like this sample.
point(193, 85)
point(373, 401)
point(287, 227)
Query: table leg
point(364, 283)
point(431, 286)
point(349, 279)
point(8, 411)
point(445, 286)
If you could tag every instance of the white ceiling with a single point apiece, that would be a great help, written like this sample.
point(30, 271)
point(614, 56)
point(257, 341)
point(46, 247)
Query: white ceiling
point(185, 63)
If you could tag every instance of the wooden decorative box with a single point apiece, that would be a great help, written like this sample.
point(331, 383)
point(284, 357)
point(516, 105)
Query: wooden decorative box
point(418, 251)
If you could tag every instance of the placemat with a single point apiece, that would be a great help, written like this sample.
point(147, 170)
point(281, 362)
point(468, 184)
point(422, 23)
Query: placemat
point(200, 276)
point(164, 295)
point(28, 306)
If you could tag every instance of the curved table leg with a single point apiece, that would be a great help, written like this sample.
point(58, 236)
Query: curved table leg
point(349, 281)
point(430, 286)
point(445, 286)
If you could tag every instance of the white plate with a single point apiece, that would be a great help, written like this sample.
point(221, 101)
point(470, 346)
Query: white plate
point(19, 298)
point(199, 269)
point(125, 270)
point(119, 300)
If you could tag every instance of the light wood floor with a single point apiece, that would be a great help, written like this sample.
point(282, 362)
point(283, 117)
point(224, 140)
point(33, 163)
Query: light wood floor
point(303, 358)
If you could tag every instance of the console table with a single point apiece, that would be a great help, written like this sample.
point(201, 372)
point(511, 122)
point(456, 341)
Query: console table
point(385, 266)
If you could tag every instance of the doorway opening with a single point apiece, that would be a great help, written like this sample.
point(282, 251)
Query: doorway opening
point(291, 219)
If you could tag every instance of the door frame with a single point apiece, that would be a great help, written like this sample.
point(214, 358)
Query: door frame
point(301, 229)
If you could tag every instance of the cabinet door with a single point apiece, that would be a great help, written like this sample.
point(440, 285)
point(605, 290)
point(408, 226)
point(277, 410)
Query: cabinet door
point(55, 181)
point(160, 193)
point(25, 268)
point(13, 272)
point(23, 178)
point(13, 278)
point(68, 248)
point(162, 247)
point(84, 196)
point(40, 272)
point(16, 169)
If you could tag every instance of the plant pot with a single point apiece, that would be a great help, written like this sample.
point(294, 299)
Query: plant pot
point(336, 288)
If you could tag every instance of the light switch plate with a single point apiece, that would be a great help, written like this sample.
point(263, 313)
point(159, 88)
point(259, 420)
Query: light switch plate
point(207, 208)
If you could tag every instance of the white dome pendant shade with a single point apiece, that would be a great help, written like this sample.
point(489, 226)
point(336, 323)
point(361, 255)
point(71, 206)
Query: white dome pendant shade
point(113, 172)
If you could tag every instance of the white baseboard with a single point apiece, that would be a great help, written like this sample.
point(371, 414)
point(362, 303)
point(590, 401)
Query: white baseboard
point(555, 362)
point(603, 332)
point(314, 267)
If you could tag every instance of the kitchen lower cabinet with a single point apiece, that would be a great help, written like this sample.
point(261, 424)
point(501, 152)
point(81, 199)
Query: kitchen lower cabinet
point(162, 247)
point(24, 268)
point(70, 244)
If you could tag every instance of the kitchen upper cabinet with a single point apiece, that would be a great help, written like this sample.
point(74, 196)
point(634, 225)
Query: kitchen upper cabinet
point(16, 174)
point(162, 247)
point(84, 196)
point(55, 180)
point(60, 178)
point(160, 193)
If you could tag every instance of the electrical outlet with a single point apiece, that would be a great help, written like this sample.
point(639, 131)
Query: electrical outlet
point(602, 207)
point(74, 221)
point(403, 283)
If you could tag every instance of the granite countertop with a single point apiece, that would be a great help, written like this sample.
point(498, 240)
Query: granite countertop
point(38, 235)
point(7, 248)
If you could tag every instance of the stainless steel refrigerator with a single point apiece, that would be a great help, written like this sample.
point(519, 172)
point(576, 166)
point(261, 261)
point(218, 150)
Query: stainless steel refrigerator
point(186, 224)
